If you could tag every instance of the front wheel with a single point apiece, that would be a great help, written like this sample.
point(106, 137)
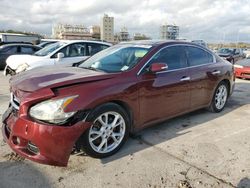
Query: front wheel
point(108, 132)
point(220, 98)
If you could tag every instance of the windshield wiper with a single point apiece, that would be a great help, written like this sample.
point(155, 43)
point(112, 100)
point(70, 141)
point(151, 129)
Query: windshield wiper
point(92, 68)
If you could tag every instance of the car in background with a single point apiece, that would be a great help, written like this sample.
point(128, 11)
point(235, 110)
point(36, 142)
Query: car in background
point(118, 91)
point(63, 53)
point(242, 68)
point(46, 42)
point(200, 42)
point(246, 51)
point(231, 54)
point(7, 50)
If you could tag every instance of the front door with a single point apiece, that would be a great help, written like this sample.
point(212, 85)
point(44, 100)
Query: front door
point(164, 94)
point(73, 53)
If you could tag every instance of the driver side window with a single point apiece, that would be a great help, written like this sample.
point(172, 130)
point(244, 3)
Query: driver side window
point(73, 50)
point(174, 57)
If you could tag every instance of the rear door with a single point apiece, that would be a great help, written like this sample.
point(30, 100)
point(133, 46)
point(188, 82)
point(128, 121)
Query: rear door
point(165, 94)
point(204, 75)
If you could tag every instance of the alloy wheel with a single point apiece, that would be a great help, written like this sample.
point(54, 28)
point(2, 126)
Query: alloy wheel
point(107, 132)
point(221, 97)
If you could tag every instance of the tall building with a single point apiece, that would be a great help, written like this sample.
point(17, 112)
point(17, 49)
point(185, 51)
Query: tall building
point(107, 28)
point(70, 32)
point(169, 32)
point(123, 35)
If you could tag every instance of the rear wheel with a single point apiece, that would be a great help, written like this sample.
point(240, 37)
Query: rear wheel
point(220, 98)
point(108, 132)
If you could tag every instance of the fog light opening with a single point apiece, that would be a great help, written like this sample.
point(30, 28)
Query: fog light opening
point(16, 140)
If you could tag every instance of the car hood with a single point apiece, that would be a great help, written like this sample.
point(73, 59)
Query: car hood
point(15, 60)
point(49, 77)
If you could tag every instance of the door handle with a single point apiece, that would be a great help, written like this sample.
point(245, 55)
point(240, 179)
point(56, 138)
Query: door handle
point(185, 78)
point(216, 72)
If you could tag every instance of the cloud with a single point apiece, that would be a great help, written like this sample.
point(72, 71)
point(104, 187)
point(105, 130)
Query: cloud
point(210, 20)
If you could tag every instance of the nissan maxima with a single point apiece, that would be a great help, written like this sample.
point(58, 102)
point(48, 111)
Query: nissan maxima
point(118, 91)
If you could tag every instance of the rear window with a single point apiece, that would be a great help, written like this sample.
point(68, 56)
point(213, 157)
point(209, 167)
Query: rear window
point(198, 56)
point(27, 50)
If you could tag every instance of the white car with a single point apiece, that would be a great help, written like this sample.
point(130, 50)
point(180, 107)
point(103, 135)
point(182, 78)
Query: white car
point(247, 52)
point(63, 53)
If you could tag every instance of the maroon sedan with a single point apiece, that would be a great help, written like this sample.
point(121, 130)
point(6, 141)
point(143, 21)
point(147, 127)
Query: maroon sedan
point(116, 92)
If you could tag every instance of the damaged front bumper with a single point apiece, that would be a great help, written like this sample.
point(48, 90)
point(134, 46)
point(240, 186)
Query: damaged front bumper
point(46, 144)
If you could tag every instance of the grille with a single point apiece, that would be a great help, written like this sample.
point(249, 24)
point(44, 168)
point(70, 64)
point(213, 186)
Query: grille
point(246, 74)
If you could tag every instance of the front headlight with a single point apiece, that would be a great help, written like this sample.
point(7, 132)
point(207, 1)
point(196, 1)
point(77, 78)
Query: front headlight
point(238, 66)
point(22, 67)
point(52, 111)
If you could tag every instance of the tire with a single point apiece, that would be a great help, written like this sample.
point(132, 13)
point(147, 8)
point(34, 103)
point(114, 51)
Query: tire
point(103, 131)
point(215, 106)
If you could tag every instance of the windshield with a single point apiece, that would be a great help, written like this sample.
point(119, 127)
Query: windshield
point(117, 58)
point(225, 51)
point(49, 49)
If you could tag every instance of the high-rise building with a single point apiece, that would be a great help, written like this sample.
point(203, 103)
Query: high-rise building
point(169, 32)
point(107, 28)
point(123, 34)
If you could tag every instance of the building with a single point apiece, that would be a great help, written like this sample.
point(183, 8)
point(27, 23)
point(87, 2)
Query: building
point(140, 36)
point(169, 32)
point(123, 35)
point(70, 32)
point(107, 28)
point(95, 31)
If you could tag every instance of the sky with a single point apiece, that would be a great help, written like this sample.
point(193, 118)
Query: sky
point(210, 20)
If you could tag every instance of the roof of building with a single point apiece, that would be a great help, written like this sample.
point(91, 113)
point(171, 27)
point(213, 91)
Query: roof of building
point(18, 44)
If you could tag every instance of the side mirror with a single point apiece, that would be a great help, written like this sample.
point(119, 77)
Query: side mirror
point(158, 67)
point(60, 55)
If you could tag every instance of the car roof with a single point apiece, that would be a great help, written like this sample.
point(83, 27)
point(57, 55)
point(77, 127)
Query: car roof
point(161, 42)
point(147, 42)
point(87, 41)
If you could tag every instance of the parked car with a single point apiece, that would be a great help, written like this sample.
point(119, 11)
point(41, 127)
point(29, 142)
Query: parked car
point(46, 42)
point(242, 68)
point(246, 51)
point(63, 53)
point(119, 90)
point(200, 42)
point(231, 54)
point(16, 48)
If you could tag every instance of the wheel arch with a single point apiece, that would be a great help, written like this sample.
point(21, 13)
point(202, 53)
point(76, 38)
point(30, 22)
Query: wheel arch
point(125, 106)
point(228, 85)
